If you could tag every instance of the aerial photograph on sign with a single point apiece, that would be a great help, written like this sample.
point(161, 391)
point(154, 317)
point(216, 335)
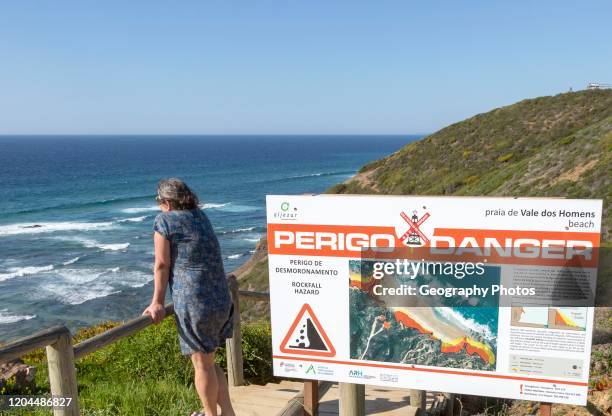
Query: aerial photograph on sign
point(422, 334)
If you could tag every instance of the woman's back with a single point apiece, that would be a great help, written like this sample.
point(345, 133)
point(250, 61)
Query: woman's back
point(194, 248)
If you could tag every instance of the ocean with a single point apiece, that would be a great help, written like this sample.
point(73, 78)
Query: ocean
point(77, 211)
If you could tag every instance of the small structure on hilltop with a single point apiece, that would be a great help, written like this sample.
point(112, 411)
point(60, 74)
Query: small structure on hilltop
point(598, 86)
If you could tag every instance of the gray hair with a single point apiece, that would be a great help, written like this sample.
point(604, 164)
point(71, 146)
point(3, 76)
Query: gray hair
point(177, 194)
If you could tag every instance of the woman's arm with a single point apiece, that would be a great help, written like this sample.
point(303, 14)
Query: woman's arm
point(161, 274)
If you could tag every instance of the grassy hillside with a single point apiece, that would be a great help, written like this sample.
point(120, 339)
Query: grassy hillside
point(549, 146)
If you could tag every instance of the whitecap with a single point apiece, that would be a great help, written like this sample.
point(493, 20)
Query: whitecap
point(76, 286)
point(134, 219)
point(137, 210)
point(238, 230)
point(239, 208)
point(235, 256)
point(71, 261)
point(78, 276)
point(252, 240)
point(89, 243)
point(24, 271)
point(112, 247)
point(7, 318)
point(49, 227)
point(213, 205)
point(77, 293)
point(134, 278)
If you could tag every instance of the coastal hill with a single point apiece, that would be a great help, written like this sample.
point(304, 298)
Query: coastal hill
point(557, 146)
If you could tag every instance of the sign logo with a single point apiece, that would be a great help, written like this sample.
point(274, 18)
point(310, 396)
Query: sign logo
point(286, 212)
point(413, 236)
point(306, 336)
point(311, 369)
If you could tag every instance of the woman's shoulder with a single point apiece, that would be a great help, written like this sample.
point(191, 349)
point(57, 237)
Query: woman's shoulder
point(180, 215)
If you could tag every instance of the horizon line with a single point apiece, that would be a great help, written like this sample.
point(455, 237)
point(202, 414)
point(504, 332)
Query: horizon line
point(205, 134)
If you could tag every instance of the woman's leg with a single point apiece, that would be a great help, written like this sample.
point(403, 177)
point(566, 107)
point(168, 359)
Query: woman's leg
point(224, 396)
point(206, 381)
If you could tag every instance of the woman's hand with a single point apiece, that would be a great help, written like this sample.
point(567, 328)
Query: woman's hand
point(156, 311)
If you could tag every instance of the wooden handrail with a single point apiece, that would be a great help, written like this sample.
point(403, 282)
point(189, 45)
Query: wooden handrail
point(41, 339)
point(61, 355)
point(112, 335)
point(131, 327)
point(255, 295)
point(33, 342)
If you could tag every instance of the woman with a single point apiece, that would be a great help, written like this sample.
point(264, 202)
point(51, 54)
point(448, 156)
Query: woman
point(188, 258)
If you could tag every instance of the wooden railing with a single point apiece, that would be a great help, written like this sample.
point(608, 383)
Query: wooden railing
point(61, 354)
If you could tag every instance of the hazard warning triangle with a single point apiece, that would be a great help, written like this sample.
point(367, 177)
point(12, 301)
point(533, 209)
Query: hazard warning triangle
point(306, 336)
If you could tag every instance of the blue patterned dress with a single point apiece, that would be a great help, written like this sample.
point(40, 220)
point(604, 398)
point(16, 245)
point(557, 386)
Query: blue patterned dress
point(202, 301)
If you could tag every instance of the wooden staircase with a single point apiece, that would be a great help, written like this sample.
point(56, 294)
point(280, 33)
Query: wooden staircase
point(270, 399)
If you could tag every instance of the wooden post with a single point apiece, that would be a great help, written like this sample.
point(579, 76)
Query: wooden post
point(311, 397)
point(545, 409)
point(233, 345)
point(417, 399)
point(450, 404)
point(295, 406)
point(352, 399)
point(62, 374)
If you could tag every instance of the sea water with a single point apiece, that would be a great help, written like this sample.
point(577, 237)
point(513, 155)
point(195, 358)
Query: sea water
point(77, 212)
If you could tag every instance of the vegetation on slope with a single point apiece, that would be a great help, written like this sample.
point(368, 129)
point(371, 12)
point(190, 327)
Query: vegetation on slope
point(557, 146)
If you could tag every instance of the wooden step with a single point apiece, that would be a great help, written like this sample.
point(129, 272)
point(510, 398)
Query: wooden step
point(268, 400)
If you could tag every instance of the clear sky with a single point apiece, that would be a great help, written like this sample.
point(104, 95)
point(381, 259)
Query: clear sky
point(304, 67)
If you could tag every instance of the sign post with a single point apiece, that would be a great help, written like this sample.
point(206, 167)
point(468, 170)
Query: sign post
point(352, 399)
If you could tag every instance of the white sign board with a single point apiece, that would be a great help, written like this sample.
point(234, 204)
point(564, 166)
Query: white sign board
point(346, 308)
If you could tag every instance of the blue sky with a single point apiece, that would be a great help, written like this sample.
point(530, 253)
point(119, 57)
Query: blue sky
point(304, 67)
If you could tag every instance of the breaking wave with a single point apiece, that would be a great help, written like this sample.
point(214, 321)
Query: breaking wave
point(77, 293)
point(212, 205)
point(77, 286)
point(24, 271)
point(71, 261)
point(134, 219)
point(241, 230)
point(138, 210)
point(90, 243)
point(7, 318)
